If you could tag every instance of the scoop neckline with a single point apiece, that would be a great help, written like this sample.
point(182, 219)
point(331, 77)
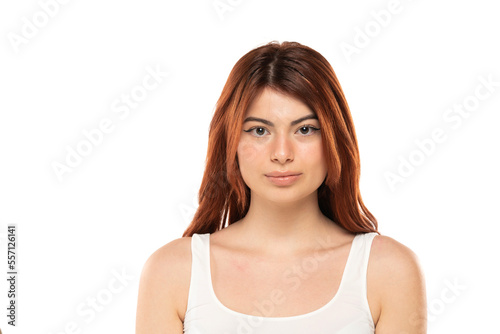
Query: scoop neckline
point(293, 317)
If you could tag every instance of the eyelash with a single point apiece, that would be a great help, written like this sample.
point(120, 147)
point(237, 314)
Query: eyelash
point(314, 129)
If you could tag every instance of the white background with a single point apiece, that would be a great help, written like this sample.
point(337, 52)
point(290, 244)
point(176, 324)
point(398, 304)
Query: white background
point(136, 190)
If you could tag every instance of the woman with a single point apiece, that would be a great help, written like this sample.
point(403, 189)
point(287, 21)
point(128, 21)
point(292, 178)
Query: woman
point(281, 241)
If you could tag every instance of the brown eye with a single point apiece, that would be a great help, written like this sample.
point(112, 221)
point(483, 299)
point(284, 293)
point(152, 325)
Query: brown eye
point(307, 128)
point(304, 129)
point(260, 130)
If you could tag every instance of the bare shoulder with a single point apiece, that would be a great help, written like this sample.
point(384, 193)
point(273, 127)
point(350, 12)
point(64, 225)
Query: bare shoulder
point(175, 252)
point(395, 273)
point(387, 251)
point(163, 288)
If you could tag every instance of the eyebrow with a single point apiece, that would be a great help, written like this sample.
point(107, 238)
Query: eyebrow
point(265, 121)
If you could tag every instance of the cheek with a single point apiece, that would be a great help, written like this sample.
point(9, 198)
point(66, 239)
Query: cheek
point(247, 160)
point(247, 152)
point(313, 155)
point(311, 152)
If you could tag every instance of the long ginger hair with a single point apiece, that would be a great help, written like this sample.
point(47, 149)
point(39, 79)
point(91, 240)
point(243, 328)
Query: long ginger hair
point(296, 70)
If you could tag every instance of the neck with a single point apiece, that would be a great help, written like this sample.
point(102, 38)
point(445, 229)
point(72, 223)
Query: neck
point(279, 228)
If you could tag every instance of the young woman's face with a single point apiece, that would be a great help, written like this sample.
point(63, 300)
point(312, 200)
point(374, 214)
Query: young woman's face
point(281, 141)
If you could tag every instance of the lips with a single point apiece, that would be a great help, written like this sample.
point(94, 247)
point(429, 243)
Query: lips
point(282, 174)
point(283, 179)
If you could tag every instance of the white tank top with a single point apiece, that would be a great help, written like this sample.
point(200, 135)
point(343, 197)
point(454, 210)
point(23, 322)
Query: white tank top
point(346, 313)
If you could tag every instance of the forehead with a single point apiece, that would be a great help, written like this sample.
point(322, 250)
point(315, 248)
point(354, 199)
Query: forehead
point(272, 104)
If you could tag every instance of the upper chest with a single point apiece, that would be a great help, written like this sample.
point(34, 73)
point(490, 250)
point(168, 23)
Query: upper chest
point(289, 286)
point(278, 287)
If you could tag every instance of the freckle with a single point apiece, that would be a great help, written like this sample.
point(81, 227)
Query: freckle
point(241, 267)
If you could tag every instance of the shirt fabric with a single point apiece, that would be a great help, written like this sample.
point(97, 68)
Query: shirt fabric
point(347, 312)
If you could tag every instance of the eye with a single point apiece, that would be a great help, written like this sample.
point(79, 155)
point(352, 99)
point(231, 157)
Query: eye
point(260, 128)
point(309, 127)
point(306, 130)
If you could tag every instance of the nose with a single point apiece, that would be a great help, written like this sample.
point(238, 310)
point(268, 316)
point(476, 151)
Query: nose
point(282, 149)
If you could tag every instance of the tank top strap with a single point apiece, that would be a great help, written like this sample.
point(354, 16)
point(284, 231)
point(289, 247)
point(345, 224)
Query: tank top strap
point(357, 265)
point(200, 270)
